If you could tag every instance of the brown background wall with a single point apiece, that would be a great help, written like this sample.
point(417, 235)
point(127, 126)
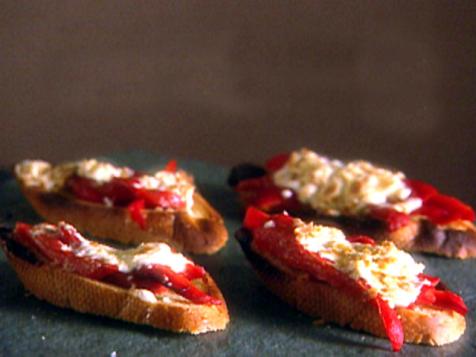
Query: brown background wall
point(228, 81)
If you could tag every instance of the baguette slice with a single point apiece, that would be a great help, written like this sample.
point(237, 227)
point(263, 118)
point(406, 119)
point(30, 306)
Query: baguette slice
point(456, 239)
point(67, 290)
point(421, 325)
point(200, 230)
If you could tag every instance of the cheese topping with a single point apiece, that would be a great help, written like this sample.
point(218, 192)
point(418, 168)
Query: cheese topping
point(101, 172)
point(41, 174)
point(336, 188)
point(389, 271)
point(127, 259)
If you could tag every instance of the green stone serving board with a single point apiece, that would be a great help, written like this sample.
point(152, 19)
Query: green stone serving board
point(260, 323)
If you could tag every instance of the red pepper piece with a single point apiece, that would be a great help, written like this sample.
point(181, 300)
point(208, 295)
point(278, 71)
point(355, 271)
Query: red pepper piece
point(254, 184)
point(119, 190)
point(84, 189)
point(432, 279)
point(163, 199)
point(53, 248)
point(254, 218)
point(361, 239)
point(444, 299)
point(136, 212)
point(393, 326)
point(421, 189)
point(127, 280)
point(439, 208)
point(269, 199)
point(176, 282)
point(280, 242)
point(276, 162)
point(449, 300)
point(194, 272)
point(68, 236)
point(442, 209)
point(393, 219)
point(171, 166)
point(261, 192)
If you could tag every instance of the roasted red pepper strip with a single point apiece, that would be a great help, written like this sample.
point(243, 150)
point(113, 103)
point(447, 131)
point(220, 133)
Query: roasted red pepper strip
point(421, 189)
point(442, 209)
point(84, 189)
point(361, 239)
point(439, 208)
point(391, 322)
point(255, 218)
point(136, 211)
point(50, 247)
point(444, 299)
point(163, 199)
point(171, 166)
point(276, 162)
point(261, 192)
point(393, 219)
point(177, 283)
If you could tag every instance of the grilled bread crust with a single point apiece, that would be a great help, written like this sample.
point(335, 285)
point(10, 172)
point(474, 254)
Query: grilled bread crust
point(422, 325)
point(68, 290)
point(201, 231)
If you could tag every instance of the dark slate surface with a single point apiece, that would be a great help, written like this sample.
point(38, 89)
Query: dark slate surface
point(260, 323)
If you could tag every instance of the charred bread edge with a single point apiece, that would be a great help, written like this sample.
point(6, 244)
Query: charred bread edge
point(425, 325)
point(199, 235)
point(81, 294)
point(420, 235)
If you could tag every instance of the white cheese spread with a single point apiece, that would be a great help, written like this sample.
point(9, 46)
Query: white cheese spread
point(101, 172)
point(338, 188)
point(389, 271)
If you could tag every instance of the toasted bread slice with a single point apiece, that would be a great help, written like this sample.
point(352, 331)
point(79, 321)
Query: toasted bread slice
point(456, 239)
point(169, 311)
point(202, 232)
point(199, 229)
point(422, 322)
point(425, 325)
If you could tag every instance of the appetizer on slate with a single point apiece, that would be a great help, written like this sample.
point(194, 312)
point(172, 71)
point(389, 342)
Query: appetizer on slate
point(150, 284)
point(360, 198)
point(122, 204)
point(351, 280)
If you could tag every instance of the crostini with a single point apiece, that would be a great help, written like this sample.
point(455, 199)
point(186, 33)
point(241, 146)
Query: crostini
point(119, 203)
point(351, 280)
point(150, 284)
point(360, 198)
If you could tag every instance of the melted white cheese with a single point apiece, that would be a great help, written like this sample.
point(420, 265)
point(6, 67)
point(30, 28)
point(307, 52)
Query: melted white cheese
point(336, 188)
point(145, 295)
point(101, 172)
point(389, 271)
